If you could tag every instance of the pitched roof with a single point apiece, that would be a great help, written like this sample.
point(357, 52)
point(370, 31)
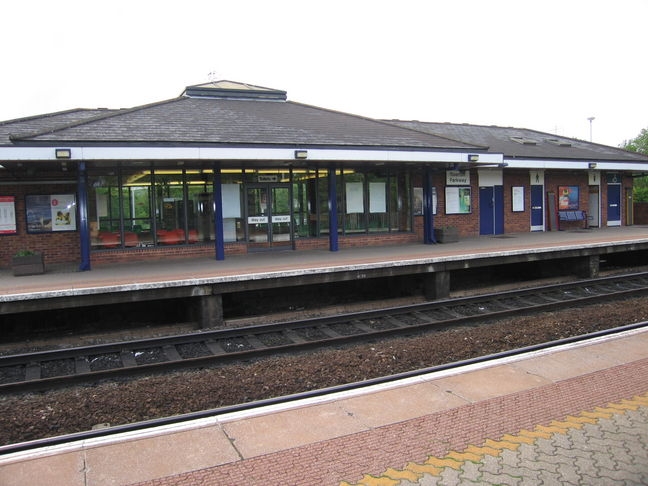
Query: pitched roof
point(42, 123)
point(227, 113)
point(524, 143)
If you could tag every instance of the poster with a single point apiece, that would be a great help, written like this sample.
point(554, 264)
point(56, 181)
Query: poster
point(7, 215)
point(377, 197)
point(458, 200)
point(231, 200)
point(354, 198)
point(49, 213)
point(567, 197)
point(517, 198)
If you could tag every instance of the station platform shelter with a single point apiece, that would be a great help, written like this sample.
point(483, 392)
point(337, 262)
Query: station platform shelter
point(230, 169)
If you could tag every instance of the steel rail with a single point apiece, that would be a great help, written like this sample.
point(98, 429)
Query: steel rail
point(177, 419)
point(430, 315)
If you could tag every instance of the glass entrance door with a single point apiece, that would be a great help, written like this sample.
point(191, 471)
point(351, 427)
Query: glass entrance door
point(268, 216)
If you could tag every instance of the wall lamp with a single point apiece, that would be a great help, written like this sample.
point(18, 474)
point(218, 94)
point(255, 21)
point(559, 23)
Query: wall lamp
point(63, 153)
point(473, 157)
point(592, 165)
point(301, 154)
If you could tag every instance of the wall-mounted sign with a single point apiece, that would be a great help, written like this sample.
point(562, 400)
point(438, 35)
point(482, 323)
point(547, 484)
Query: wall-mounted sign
point(612, 178)
point(282, 218)
point(537, 177)
point(457, 177)
point(268, 178)
point(49, 213)
point(7, 215)
point(257, 219)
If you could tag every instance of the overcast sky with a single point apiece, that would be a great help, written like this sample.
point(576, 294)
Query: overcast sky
point(548, 65)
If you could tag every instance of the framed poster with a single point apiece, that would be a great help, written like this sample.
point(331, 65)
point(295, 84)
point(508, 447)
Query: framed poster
point(567, 197)
point(7, 215)
point(517, 198)
point(377, 197)
point(50, 213)
point(458, 200)
point(354, 198)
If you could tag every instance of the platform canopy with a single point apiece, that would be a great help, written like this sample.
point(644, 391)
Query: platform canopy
point(231, 121)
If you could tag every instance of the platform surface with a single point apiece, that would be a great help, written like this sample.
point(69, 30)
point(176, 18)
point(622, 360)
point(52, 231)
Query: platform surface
point(59, 281)
point(576, 415)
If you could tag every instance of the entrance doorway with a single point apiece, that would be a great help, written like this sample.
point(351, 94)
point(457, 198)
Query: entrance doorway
point(614, 205)
point(594, 203)
point(269, 218)
point(491, 210)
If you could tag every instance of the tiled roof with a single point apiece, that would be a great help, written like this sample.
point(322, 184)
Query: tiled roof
point(523, 143)
point(205, 120)
point(42, 123)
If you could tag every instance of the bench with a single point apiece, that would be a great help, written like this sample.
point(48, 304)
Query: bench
point(572, 215)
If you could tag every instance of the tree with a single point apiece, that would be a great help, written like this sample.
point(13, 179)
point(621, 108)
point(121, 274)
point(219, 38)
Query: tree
point(639, 144)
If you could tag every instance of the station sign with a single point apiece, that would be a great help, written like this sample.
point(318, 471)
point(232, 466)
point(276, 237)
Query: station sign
point(457, 178)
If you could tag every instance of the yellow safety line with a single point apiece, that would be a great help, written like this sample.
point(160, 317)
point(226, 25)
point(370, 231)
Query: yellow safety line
point(435, 466)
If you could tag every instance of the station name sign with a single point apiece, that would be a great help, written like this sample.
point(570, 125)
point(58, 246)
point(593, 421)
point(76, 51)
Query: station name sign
point(457, 178)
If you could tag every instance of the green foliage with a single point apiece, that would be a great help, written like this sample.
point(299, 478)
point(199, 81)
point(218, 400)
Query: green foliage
point(639, 144)
point(22, 253)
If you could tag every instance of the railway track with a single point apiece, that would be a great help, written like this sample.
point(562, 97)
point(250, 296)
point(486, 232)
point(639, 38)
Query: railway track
point(51, 369)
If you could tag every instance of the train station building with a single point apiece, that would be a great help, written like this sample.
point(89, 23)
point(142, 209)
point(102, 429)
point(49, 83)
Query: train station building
point(229, 168)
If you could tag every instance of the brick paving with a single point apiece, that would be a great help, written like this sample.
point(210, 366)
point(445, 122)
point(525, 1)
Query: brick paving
point(592, 429)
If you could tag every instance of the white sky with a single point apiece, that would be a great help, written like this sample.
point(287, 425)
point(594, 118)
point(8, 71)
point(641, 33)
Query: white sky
point(540, 64)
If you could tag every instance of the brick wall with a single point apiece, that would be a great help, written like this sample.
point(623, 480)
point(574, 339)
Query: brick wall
point(57, 247)
point(516, 222)
point(564, 178)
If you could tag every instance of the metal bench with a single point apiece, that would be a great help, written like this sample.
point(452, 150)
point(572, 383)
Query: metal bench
point(573, 215)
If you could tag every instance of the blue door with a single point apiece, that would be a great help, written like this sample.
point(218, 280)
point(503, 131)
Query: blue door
point(614, 205)
point(537, 221)
point(491, 210)
point(486, 213)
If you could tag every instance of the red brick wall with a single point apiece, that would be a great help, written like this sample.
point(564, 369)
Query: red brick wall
point(467, 224)
point(59, 247)
point(163, 253)
point(516, 222)
point(554, 179)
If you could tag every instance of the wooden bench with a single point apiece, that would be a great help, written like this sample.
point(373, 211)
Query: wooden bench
point(572, 215)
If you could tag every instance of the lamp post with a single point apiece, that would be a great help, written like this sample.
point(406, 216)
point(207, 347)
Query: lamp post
point(591, 119)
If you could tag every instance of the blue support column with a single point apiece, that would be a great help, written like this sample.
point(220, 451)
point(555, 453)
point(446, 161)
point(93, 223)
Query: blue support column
point(218, 214)
point(84, 227)
point(428, 208)
point(333, 223)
